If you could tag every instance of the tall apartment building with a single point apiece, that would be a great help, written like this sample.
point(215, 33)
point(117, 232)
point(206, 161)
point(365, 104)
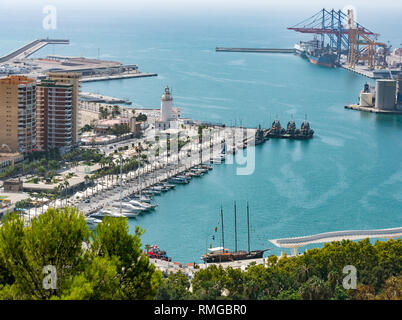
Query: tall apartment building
point(73, 79)
point(18, 113)
point(54, 115)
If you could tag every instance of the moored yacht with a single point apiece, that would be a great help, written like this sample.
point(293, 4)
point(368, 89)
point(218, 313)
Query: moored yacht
point(107, 213)
point(92, 222)
point(144, 205)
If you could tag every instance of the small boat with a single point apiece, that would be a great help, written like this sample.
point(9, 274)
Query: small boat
point(129, 209)
point(169, 185)
point(201, 170)
point(183, 177)
point(159, 188)
point(107, 213)
point(178, 180)
point(141, 198)
point(191, 174)
point(149, 192)
point(218, 159)
point(196, 173)
point(144, 205)
point(205, 166)
point(92, 222)
point(155, 253)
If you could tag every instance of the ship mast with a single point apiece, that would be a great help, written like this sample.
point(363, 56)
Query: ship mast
point(235, 221)
point(223, 237)
point(248, 228)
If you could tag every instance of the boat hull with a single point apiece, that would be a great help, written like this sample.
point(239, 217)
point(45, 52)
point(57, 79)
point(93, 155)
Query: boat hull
point(232, 256)
point(289, 136)
point(325, 60)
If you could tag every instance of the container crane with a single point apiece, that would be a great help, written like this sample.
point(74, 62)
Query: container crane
point(344, 35)
point(360, 49)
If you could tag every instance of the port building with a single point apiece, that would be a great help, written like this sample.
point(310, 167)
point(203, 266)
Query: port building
point(385, 97)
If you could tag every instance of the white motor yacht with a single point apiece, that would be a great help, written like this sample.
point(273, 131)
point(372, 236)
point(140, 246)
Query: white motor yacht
point(128, 208)
point(107, 213)
point(92, 222)
point(144, 205)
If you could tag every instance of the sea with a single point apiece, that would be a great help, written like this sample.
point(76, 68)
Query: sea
point(348, 177)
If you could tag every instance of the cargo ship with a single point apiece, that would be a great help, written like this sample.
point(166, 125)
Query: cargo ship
point(291, 132)
point(322, 58)
point(316, 53)
point(303, 46)
point(222, 254)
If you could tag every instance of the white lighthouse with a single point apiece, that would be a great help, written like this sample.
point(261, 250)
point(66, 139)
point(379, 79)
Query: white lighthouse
point(166, 106)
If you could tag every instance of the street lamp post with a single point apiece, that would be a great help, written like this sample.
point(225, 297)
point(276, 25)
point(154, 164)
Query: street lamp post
point(121, 177)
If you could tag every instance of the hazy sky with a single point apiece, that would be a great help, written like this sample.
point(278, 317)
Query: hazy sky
point(189, 5)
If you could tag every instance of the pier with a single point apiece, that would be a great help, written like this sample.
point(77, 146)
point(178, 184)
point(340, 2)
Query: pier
point(297, 242)
point(118, 76)
point(94, 97)
point(361, 70)
point(31, 48)
point(255, 50)
point(371, 109)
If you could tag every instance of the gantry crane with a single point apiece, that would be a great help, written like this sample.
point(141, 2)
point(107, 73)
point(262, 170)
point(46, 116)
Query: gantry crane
point(356, 42)
point(360, 49)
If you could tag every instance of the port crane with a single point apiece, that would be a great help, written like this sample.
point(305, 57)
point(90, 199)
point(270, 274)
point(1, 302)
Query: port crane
point(357, 43)
point(360, 49)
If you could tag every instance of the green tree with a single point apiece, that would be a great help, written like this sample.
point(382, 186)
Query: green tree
point(54, 238)
point(314, 289)
point(108, 265)
point(209, 283)
point(53, 165)
point(141, 117)
point(175, 287)
point(41, 171)
point(138, 277)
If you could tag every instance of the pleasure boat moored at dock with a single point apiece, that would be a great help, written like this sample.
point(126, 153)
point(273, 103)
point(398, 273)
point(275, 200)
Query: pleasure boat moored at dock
point(107, 213)
point(92, 222)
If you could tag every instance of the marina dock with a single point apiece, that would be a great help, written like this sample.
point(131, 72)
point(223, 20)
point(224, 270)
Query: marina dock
point(30, 48)
point(118, 76)
point(94, 97)
point(162, 168)
point(371, 109)
point(361, 70)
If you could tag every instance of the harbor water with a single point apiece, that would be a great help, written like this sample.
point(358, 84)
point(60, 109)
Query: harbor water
point(347, 177)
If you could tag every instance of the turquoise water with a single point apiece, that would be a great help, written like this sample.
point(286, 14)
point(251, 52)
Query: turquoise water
point(348, 177)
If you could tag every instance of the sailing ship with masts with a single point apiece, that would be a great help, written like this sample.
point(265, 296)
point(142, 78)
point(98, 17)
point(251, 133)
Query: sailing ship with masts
point(222, 254)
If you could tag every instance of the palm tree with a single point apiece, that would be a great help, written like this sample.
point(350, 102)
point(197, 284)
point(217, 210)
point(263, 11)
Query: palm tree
point(59, 190)
point(66, 185)
point(42, 195)
point(116, 111)
point(86, 178)
point(36, 196)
